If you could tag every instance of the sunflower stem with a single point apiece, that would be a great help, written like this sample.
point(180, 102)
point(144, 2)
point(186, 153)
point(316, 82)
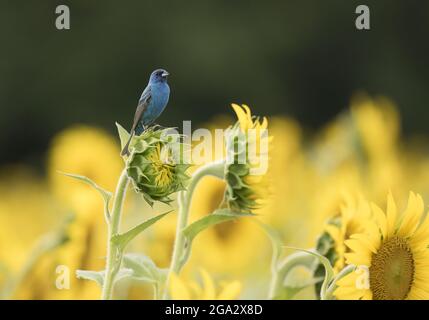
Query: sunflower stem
point(328, 295)
point(114, 252)
point(281, 270)
point(180, 254)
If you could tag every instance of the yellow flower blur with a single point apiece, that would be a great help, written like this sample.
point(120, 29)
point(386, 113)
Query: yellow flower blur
point(223, 241)
point(190, 290)
point(94, 153)
point(87, 151)
point(349, 222)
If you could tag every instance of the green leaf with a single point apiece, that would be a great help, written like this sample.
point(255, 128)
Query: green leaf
point(219, 216)
point(97, 276)
point(329, 272)
point(123, 273)
point(123, 135)
point(104, 193)
point(191, 231)
point(144, 269)
point(123, 239)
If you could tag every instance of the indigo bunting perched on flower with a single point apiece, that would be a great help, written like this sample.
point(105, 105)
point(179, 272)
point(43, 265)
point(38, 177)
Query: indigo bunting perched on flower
point(152, 102)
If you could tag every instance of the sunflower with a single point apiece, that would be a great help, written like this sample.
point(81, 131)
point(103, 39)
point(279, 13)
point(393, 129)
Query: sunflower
point(183, 290)
point(339, 228)
point(247, 161)
point(392, 256)
point(156, 165)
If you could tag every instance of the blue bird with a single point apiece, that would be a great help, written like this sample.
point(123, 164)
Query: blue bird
point(152, 102)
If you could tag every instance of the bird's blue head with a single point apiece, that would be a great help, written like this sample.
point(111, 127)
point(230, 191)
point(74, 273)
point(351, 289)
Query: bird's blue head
point(158, 76)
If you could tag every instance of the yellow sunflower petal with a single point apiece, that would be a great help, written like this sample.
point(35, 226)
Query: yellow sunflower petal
point(334, 232)
point(420, 238)
point(373, 232)
point(264, 123)
point(358, 258)
point(248, 112)
point(230, 291)
point(391, 214)
point(347, 289)
point(381, 219)
point(364, 239)
point(348, 293)
point(364, 209)
point(417, 294)
point(412, 216)
point(422, 284)
point(241, 115)
point(357, 246)
point(348, 280)
point(367, 295)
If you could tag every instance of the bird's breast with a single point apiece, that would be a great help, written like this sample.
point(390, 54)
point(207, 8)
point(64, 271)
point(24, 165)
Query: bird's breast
point(160, 95)
point(157, 104)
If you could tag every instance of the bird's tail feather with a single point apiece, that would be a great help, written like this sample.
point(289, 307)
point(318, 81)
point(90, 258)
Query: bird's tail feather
point(125, 151)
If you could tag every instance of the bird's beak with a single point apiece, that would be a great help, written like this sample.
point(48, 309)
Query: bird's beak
point(165, 74)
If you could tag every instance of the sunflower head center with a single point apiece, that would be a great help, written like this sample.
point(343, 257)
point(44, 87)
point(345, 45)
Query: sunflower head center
point(392, 270)
point(161, 163)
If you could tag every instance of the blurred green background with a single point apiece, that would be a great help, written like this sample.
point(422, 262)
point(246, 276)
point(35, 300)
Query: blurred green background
point(304, 59)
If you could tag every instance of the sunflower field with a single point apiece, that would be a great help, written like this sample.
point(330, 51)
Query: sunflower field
point(242, 155)
point(339, 214)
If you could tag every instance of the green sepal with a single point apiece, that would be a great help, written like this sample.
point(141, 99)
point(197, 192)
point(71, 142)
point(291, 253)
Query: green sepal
point(124, 136)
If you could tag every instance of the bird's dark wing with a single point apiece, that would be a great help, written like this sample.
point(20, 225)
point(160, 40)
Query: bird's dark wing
point(142, 106)
point(143, 103)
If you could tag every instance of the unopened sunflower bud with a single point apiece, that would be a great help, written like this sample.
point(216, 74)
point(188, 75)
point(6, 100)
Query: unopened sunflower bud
point(156, 166)
point(244, 142)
